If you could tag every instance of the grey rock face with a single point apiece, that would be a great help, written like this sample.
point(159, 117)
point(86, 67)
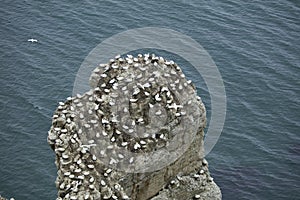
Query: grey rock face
point(137, 134)
point(199, 185)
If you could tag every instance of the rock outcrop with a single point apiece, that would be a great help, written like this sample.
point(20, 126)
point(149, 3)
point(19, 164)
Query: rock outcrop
point(2, 198)
point(137, 134)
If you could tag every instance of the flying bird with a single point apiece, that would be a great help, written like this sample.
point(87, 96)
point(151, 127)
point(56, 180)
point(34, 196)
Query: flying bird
point(32, 40)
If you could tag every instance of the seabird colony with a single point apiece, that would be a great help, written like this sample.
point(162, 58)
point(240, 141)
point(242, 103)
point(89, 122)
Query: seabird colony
point(137, 106)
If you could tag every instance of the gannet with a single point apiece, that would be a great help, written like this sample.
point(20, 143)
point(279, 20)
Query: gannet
point(32, 40)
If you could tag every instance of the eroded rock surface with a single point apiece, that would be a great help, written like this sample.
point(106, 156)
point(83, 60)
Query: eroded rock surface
point(137, 134)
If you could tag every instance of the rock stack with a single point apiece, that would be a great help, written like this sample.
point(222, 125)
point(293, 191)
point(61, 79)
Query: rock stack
point(137, 134)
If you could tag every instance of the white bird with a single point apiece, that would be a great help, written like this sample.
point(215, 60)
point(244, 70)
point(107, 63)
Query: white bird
point(175, 106)
point(87, 145)
point(32, 40)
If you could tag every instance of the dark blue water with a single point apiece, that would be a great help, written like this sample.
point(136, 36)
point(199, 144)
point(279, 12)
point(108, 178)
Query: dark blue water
point(255, 45)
